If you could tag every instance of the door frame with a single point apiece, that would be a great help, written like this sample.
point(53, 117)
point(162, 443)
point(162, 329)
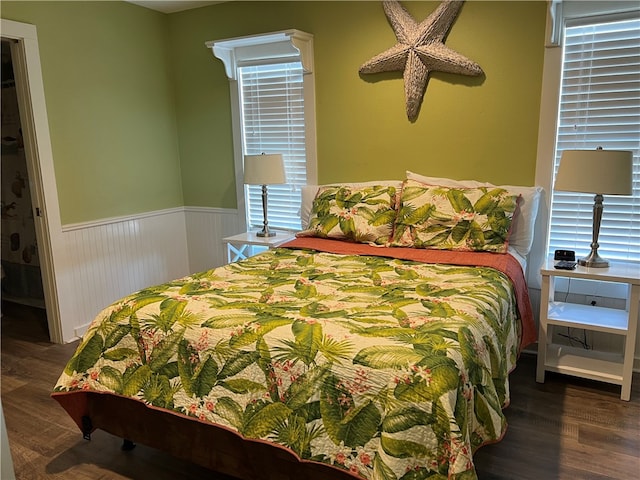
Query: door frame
point(37, 143)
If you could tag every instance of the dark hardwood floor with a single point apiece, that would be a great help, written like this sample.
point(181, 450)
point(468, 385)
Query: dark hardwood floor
point(566, 428)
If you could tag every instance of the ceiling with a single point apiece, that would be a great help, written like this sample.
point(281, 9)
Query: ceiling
point(171, 6)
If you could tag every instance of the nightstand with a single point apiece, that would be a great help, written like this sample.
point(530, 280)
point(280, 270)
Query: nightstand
point(592, 364)
point(248, 244)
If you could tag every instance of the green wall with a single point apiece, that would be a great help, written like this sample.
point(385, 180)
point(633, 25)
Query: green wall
point(139, 108)
point(482, 128)
point(110, 103)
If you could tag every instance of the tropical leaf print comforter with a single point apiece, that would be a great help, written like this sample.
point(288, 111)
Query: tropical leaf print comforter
point(388, 368)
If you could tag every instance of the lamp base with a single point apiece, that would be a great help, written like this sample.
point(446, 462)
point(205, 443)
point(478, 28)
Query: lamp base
point(593, 260)
point(265, 232)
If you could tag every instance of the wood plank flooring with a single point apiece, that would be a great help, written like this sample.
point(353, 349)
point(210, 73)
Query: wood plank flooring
point(566, 428)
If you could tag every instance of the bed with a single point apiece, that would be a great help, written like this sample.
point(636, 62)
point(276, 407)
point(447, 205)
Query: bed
point(375, 345)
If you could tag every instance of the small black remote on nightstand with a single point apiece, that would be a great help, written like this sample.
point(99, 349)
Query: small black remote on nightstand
point(565, 265)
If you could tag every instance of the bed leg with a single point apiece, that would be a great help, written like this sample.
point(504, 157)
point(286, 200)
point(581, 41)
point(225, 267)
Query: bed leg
point(87, 428)
point(127, 445)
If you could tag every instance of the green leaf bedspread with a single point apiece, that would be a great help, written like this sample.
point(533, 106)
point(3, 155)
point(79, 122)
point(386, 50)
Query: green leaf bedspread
point(388, 368)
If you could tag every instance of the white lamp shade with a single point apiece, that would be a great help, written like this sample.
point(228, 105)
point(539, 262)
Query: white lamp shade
point(265, 169)
point(605, 172)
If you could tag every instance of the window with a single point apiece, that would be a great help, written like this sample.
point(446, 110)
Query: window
point(599, 105)
point(273, 108)
point(272, 102)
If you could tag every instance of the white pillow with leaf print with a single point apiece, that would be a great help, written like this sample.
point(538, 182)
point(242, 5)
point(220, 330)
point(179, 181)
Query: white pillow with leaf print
point(309, 193)
point(450, 218)
point(358, 214)
point(523, 226)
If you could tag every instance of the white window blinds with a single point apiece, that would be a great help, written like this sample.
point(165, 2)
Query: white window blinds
point(599, 106)
point(272, 109)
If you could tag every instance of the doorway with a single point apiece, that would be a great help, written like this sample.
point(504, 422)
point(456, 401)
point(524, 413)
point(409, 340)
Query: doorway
point(21, 275)
point(33, 136)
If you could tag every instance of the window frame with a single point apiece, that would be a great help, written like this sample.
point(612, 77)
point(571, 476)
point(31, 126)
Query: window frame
point(274, 47)
point(558, 14)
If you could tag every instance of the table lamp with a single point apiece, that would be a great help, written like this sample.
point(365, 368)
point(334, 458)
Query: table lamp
point(265, 169)
point(599, 172)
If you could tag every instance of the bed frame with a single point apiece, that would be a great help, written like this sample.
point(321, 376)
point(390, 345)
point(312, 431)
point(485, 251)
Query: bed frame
point(211, 446)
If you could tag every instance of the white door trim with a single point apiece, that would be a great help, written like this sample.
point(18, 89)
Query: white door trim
point(37, 142)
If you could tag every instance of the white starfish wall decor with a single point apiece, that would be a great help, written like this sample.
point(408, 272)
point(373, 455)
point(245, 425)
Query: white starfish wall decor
point(420, 50)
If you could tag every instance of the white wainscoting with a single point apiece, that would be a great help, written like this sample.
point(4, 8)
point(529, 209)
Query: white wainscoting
point(206, 227)
point(114, 257)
